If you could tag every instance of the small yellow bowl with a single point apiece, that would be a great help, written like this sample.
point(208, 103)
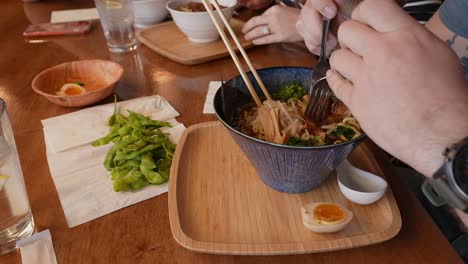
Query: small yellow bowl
point(99, 78)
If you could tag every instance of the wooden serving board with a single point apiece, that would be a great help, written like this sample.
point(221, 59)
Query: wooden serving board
point(218, 204)
point(167, 40)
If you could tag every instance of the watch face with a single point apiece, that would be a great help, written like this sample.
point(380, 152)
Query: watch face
point(460, 168)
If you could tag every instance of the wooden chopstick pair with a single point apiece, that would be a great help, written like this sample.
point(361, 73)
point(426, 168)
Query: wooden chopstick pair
point(233, 54)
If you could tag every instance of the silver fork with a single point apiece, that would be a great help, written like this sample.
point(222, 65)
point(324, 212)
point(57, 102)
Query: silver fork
point(319, 92)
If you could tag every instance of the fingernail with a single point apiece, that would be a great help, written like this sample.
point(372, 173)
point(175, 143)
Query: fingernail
point(329, 11)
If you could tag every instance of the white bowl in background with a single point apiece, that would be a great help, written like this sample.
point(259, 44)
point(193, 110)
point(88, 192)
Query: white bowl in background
point(149, 12)
point(359, 186)
point(197, 26)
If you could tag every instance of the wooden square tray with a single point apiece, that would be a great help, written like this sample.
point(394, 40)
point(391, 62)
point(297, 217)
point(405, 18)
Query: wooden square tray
point(167, 40)
point(217, 203)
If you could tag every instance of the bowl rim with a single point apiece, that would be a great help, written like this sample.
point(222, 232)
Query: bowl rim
point(358, 139)
point(43, 72)
point(192, 13)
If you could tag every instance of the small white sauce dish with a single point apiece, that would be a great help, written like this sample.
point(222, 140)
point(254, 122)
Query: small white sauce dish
point(360, 186)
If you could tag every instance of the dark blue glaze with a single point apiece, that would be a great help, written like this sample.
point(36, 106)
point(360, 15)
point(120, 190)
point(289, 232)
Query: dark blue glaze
point(284, 168)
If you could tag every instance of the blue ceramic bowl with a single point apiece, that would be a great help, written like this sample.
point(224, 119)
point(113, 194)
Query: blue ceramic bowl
point(284, 168)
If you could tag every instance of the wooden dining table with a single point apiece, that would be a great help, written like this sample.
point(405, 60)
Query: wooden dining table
point(141, 233)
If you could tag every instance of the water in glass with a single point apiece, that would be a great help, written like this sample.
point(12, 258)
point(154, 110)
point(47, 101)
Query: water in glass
point(16, 220)
point(116, 18)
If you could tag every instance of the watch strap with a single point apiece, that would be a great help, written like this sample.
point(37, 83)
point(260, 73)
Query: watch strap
point(439, 193)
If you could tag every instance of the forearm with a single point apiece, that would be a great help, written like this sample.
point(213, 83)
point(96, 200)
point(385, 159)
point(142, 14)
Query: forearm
point(456, 41)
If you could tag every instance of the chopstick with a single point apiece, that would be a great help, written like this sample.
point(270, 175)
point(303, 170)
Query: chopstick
point(242, 51)
point(233, 54)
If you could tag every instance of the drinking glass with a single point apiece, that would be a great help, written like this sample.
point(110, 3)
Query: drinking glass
point(16, 219)
point(116, 18)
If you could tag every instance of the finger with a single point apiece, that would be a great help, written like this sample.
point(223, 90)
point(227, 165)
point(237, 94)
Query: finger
point(314, 49)
point(255, 22)
point(256, 33)
point(326, 7)
point(348, 64)
point(331, 44)
point(267, 39)
point(357, 37)
point(276, 9)
point(342, 88)
point(382, 15)
point(309, 26)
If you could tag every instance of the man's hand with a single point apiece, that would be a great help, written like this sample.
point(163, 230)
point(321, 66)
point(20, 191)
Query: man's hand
point(309, 24)
point(402, 83)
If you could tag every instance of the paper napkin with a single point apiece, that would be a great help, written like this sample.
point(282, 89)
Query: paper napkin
point(37, 249)
point(83, 184)
point(208, 108)
point(85, 126)
point(74, 15)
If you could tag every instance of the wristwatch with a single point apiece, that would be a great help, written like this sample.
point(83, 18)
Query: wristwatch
point(449, 185)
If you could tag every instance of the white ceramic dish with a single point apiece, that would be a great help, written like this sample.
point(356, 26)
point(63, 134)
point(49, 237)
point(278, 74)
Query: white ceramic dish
point(360, 186)
point(197, 26)
point(149, 12)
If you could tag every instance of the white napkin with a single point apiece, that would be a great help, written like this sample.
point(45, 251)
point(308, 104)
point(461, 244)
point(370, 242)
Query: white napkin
point(208, 108)
point(74, 15)
point(83, 184)
point(37, 249)
point(85, 126)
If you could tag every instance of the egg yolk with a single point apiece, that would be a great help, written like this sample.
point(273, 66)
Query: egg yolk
point(329, 213)
point(73, 91)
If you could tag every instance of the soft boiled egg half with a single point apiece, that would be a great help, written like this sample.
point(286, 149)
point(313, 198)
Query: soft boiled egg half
point(325, 217)
point(71, 89)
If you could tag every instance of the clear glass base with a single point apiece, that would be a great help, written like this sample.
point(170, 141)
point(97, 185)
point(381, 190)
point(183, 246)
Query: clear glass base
point(9, 236)
point(122, 49)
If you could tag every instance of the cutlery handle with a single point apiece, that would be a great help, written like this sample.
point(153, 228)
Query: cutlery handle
point(323, 46)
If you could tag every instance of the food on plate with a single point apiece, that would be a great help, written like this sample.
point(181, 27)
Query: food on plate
point(325, 217)
point(72, 89)
point(195, 7)
point(142, 154)
point(282, 121)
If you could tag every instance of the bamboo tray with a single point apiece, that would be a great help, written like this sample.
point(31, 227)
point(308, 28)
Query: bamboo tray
point(217, 204)
point(167, 40)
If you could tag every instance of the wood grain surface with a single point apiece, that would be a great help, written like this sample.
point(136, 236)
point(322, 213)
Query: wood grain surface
point(218, 204)
point(141, 233)
point(167, 40)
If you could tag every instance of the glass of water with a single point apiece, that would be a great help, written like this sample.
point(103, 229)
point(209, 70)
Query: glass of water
point(116, 18)
point(16, 220)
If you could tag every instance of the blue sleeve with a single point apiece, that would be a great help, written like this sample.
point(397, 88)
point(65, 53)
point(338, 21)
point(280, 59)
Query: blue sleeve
point(454, 15)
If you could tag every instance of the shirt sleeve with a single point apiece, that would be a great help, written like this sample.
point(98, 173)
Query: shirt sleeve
point(454, 15)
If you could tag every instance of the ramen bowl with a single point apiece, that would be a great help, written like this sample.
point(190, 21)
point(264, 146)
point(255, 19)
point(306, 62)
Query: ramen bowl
point(198, 26)
point(290, 169)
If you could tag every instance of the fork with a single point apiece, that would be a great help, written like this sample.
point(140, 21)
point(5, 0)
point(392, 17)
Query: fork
point(320, 93)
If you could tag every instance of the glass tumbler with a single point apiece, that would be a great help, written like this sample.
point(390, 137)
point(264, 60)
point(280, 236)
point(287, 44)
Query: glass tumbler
point(116, 18)
point(16, 219)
